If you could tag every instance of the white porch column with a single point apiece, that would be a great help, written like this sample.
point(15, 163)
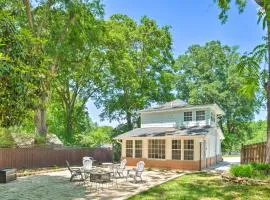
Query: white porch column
point(168, 148)
point(145, 148)
point(196, 149)
point(133, 149)
point(182, 148)
point(123, 148)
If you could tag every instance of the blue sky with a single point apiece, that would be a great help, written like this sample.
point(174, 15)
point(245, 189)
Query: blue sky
point(192, 22)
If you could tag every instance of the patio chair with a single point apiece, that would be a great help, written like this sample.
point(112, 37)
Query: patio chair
point(74, 171)
point(137, 172)
point(120, 168)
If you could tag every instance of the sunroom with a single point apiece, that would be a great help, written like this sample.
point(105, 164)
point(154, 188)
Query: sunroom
point(192, 148)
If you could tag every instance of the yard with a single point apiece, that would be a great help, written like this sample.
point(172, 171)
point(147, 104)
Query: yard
point(203, 186)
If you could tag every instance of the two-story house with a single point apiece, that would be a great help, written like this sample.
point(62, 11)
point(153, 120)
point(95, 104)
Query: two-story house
point(175, 135)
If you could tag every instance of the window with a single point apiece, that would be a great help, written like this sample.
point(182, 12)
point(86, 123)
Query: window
point(213, 117)
point(188, 149)
point(129, 148)
point(138, 148)
point(187, 116)
point(176, 149)
point(200, 115)
point(156, 149)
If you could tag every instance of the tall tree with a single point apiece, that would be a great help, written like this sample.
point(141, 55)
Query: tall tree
point(76, 33)
point(21, 76)
point(208, 74)
point(139, 59)
point(264, 14)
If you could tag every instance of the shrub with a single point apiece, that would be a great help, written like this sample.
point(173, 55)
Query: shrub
point(261, 166)
point(242, 171)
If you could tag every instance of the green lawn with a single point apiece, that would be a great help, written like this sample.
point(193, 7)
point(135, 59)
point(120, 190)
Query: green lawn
point(203, 186)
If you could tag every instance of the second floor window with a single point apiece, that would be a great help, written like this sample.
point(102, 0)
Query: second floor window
point(187, 116)
point(200, 115)
point(138, 148)
point(129, 148)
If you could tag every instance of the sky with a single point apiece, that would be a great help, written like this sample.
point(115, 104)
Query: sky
point(191, 22)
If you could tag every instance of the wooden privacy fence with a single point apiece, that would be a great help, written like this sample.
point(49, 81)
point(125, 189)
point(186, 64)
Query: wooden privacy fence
point(48, 156)
point(253, 153)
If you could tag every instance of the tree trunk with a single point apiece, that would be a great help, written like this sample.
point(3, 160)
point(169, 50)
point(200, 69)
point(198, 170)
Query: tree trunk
point(129, 121)
point(267, 154)
point(69, 123)
point(40, 117)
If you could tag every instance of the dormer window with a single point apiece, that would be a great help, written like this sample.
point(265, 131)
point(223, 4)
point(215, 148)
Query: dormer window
point(200, 115)
point(187, 116)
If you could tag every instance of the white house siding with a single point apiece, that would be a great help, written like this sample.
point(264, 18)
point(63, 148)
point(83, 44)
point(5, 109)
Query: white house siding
point(173, 119)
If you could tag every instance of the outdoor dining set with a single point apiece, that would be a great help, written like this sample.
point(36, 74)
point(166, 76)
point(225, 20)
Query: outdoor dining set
point(106, 172)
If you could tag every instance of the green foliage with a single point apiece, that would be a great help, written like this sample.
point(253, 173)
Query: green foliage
point(261, 166)
point(98, 136)
point(242, 171)
point(253, 170)
point(209, 74)
point(139, 59)
point(82, 123)
point(6, 139)
point(20, 77)
point(39, 139)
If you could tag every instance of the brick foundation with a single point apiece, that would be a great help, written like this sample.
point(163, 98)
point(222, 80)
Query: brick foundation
point(175, 164)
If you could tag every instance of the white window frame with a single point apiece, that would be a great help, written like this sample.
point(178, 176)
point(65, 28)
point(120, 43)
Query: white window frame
point(176, 150)
point(157, 150)
point(199, 115)
point(188, 149)
point(128, 148)
point(187, 116)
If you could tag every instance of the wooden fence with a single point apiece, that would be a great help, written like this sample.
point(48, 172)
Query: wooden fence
point(48, 156)
point(253, 153)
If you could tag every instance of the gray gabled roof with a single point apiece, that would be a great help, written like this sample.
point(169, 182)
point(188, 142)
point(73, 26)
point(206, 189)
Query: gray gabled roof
point(179, 104)
point(163, 131)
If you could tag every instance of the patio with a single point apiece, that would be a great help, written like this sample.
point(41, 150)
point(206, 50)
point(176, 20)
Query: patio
point(56, 185)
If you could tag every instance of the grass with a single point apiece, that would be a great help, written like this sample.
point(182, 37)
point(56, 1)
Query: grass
point(203, 186)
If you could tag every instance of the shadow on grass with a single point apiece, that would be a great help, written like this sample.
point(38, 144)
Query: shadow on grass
point(204, 185)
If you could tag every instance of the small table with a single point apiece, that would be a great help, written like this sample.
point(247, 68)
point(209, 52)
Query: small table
point(107, 164)
point(100, 176)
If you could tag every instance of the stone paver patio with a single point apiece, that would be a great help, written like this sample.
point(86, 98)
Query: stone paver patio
point(56, 185)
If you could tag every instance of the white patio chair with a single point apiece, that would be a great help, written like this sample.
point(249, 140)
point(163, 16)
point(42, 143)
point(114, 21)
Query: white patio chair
point(87, 164)
point(136, 172)
point(120, 168)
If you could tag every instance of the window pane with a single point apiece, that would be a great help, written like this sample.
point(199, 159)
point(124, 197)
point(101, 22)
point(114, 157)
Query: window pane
point(138, 148)
point(129, 148)
point(187, 116)
point(200, 115)
point(156, 149)
point(188, 149)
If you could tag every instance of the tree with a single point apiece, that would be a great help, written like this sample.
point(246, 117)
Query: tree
point(139, 59)
point(208, 74)
point(82, 123)
point(263, 14)
point(20, 77)
point(76, 33)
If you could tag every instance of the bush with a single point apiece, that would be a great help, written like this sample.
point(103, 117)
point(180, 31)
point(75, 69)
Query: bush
point(261, 166)
point(242, 171)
